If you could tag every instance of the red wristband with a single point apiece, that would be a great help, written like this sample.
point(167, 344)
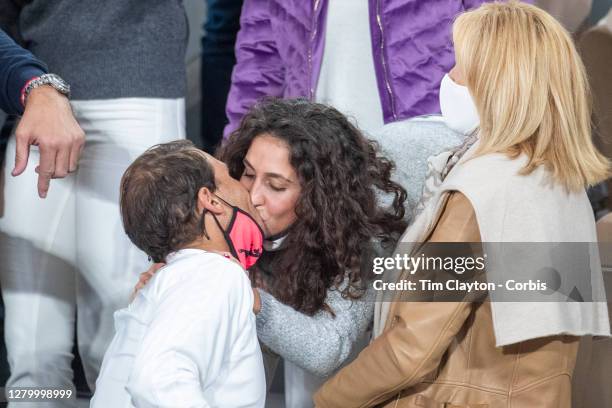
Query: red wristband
point(23, 95)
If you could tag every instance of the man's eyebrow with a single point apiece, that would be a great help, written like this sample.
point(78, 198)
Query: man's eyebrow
point(271, 175)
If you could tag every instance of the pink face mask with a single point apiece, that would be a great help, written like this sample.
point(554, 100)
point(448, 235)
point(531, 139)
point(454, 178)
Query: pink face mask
point(244, 236)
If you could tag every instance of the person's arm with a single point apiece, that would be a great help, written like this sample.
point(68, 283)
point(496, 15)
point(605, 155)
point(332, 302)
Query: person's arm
point(17, 67)
point(259, 70)
point(397, 359)
point(181, 350)
point(319, 343)
point(419, 335)
point(47, 120)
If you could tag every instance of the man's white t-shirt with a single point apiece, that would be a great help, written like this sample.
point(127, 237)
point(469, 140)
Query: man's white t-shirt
point(187, 340)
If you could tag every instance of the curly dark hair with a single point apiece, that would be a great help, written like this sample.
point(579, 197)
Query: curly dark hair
point(339, 171)
point(159, 197)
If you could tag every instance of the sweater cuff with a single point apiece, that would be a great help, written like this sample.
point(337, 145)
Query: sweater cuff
point(264, 314)
point(18, 80)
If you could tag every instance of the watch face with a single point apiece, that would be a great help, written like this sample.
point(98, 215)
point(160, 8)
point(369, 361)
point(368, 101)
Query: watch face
point(56, 82)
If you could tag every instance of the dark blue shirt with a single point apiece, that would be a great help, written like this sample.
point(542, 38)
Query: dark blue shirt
point(17, 67)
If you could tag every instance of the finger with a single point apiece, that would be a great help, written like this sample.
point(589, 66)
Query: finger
point(62, 163)
point(22, 153)
point(45, 169)
point(144, 279)
point(155, 267)
point(43, 184)
point(75, 154)
point(256, 301)
point(148, 276)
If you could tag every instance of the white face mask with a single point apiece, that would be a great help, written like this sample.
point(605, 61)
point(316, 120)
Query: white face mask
point(457, 107)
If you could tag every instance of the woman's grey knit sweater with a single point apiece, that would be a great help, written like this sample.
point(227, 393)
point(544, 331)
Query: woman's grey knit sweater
point(319, 343)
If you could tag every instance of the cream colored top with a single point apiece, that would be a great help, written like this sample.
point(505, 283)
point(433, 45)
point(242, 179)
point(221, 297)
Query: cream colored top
point(514, 208)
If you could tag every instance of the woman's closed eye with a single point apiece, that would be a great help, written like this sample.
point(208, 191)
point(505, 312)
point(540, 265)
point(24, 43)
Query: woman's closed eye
point(277, 188)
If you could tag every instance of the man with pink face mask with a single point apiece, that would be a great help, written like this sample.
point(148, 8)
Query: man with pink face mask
point(189, 337)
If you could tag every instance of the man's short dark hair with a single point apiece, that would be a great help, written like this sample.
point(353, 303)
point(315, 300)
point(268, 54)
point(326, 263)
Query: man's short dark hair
point(159, 197)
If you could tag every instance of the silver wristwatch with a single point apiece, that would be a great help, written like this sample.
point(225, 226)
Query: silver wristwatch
point(48, 79)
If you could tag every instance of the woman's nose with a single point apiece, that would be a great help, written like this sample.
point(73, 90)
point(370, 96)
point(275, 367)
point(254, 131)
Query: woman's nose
point(255, 192)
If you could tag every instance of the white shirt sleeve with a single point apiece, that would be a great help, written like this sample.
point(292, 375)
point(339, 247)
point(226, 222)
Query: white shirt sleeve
point(187, 341)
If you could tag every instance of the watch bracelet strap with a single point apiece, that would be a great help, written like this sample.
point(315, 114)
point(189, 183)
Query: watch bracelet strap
point(47, 79)
point(22, 97)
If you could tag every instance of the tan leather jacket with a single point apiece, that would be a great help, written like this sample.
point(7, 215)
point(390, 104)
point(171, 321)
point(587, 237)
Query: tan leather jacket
point(443, 354)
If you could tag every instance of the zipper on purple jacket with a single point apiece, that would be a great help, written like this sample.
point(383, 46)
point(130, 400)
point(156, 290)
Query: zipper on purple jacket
point(384, 62)
point(312, 38)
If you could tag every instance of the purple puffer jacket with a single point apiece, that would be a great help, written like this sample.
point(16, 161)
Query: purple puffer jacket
point(280, 47)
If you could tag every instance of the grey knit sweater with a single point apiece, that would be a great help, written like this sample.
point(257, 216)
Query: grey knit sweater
point(112, 48)
point(320, 343)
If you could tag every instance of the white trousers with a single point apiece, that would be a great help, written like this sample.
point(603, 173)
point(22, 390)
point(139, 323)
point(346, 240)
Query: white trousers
point(67, 256)
point(300, 386)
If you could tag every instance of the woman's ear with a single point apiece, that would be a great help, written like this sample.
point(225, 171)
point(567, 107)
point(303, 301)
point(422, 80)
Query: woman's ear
point(208, 201)
point(456, 74)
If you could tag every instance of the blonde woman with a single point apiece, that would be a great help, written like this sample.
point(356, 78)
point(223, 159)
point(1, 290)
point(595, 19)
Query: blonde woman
point(520, 89)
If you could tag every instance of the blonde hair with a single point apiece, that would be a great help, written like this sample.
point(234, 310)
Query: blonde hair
point(531, 90)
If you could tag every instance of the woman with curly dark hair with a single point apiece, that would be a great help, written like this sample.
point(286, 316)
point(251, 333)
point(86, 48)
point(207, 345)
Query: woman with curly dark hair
point(314, 178)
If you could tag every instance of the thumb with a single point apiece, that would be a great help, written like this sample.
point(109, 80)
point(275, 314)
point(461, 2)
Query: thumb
point(22, 153)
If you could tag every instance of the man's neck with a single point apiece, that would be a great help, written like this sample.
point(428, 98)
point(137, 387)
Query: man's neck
point(209, 246)
point(215, 241)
